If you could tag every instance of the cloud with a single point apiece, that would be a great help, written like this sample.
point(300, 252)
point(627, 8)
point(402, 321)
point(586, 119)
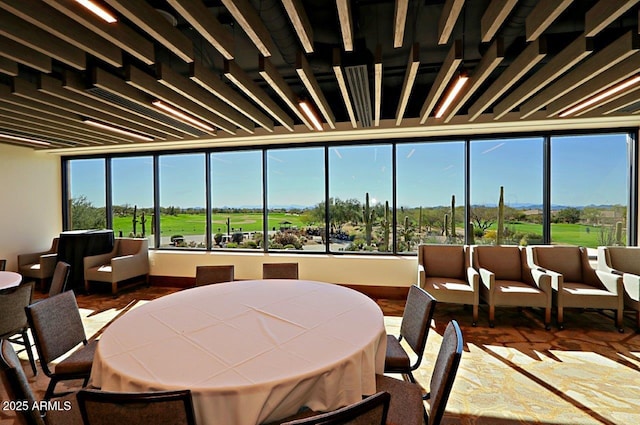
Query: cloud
point(493, 148)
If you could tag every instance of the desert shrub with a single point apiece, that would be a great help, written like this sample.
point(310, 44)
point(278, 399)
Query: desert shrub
point(287, 238)
point(232, 245)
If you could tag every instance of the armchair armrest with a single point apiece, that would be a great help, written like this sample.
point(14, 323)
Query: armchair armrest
point(48, 263)
point(31, 258)
point(488, 278)
point(129, 266)
point(421, 275)
point(631, 283)
point(97, 260)
point(611, 281)
point(542, 279)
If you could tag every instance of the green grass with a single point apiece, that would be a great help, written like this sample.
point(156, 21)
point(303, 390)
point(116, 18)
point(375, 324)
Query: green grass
point(563, 233)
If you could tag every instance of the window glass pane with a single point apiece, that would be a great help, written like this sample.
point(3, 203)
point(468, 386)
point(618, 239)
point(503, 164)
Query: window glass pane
point(516, 166)
point(182, 201)
point(295, 196)
point(87, 194)
point(132, 197)
point(430, 194)
point(589, 190)
point(236, 199)
point(358, 173)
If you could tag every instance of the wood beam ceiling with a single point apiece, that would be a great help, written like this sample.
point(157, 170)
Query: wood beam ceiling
point(493, 18)
point(409, 80)
point(543, 15)
point(300, 22)
point(250, 22)
point(313, 88)
point(448, 68)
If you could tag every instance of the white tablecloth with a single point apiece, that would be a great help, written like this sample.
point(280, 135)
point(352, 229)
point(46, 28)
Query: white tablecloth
point(9, 279)
point(250, 351)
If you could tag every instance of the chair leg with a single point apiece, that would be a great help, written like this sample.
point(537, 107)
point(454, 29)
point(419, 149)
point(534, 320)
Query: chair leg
point(52, 385)
point(27, 346)
point(560, 317)
point(620, 319)
point(547, 318)
point(492, 315)
point(638, 321)
point(475, 315)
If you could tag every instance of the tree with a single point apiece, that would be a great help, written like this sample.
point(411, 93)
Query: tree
point(569, 215)
point(85, 216)
point(483, 217)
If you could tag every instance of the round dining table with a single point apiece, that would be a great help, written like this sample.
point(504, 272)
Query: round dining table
point(251, 351)
point(9, 279)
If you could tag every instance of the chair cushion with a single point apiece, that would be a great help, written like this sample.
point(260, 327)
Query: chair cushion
point(396, 357)
point(406, 406)
point(444, 261)
point(503, 261)
point(79, 362)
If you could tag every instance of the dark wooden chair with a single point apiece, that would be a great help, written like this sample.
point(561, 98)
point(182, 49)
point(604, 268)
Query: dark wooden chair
point(13, 321)
point(370, 411)
point(280, 271)
point(207, 275)
point(60, 278)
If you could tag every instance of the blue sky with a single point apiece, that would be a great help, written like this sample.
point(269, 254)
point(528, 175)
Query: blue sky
point(585, 170)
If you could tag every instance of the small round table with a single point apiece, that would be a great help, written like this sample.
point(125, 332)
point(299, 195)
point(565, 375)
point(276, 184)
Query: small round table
point(9, 279)
point(250, 351)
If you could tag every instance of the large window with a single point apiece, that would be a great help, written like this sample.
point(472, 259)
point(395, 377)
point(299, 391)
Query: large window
point(295, 199)
point(513, 169)
point(430, 194)
point(367, 198)
point(236, 199)
point(86, 194)
point(589, 189)
point(183, 215)
point(360, 180)
point(132, 197)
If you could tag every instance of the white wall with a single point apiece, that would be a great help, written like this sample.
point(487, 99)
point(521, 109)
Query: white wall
point(348, 269)
point(30, 197)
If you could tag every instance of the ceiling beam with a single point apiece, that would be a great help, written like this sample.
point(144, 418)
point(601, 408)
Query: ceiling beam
point(543, 15)
point(207, 25)
point(249, 87)
point(33, 37)
point(530, 56)
point(489, 62)
point(53, 87)
point(346, 26)
point(493, 18)
point(399, 22)
point(449, 67)
point(604, 13)
point(450, 12)
point(377, 86)
point(10, 49)
point(342, 84)
point(282, 89)
point(249, 20)
point(44, 17)
point(75, 83)
point(211, 82)
point(630, 97)
point(150, 85)
point(118, 87)
point(192, 91)
point(35, 126)
point(599, 62)
point(42, 142)
point(120, 35)
point(309, 80)
point(574, 53)
point(301, 24)
point(622, 71)
point(144, 16)
point(8, 67)
point(409, 78)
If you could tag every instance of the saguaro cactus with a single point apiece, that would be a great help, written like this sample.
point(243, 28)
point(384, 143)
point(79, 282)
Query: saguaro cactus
point(453, 216)
point(445, 226)
point(619, 233)
point(134, 220)
point(367, 218)
point(470, 235)
point(500, 232)
point(143, 223)
point(386, 227)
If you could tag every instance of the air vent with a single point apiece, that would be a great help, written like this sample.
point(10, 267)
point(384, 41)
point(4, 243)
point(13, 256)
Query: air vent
point(358, 79)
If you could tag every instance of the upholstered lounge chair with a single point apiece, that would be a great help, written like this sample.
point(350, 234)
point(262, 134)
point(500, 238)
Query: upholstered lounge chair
point(128, 259)
point(575, 283)
point(39, 265)
point(507, 280)
point(623, 261)
point(445, 272)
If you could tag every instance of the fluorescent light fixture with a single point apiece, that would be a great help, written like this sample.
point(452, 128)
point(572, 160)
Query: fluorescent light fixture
point(602, 95)
point(181, 115)
point(306, 108)
point(118, 130)
point(24, 139)
point(98, 10)
point(455, 90)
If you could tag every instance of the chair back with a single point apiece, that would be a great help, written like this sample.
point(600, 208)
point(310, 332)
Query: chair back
point(60, 278)
point(370, 411)
point(625, 259)
point(12, 303)
point(3, 265)
point(54, 246)
point(505, 262)
point(206, 275)
point(157, 408)
point(280, 271)
point(16, 384)
point(416, 319)
point(131, 246)
point(448, 261)
point(56, 326)
point(444, 371)
point(565, 260)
